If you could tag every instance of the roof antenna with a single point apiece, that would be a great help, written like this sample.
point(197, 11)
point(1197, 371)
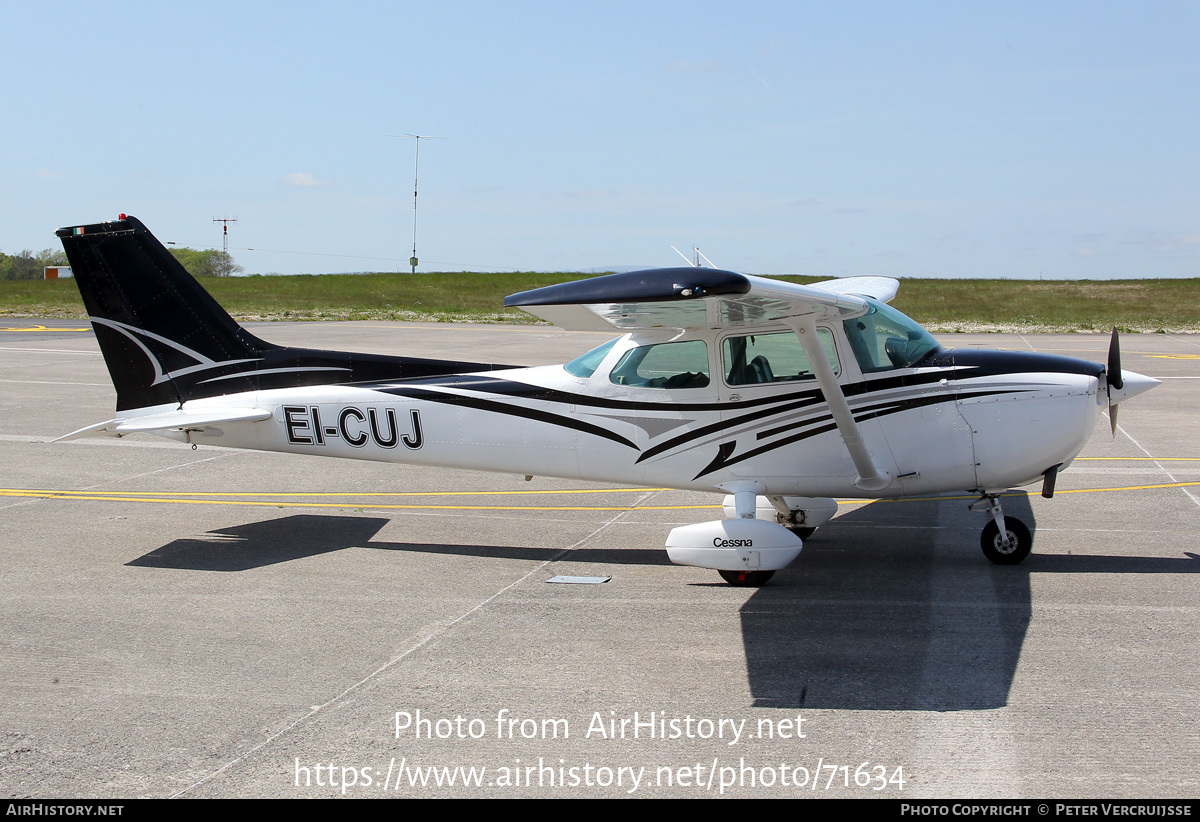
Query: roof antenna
point(696, 257)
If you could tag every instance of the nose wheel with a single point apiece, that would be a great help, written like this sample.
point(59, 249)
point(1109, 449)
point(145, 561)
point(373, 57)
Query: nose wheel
point(1020, 542)
point(1009, 546)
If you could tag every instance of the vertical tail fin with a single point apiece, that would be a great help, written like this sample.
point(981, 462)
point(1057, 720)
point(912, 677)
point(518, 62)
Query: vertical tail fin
point(157, 328)
point(166, 340)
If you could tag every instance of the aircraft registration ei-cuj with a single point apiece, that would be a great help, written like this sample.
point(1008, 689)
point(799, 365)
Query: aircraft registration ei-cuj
point(781, 396)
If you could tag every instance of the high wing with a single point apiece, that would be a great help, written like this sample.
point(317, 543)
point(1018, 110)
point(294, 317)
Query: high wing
point(696, 298)
point(882, 289)
point(711, 297)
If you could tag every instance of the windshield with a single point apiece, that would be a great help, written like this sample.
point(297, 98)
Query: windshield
point(586, 364)
point(884, 339)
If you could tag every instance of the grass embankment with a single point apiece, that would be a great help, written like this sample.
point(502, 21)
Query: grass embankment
point(940, 305)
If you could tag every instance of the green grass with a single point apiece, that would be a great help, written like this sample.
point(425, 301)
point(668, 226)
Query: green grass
point(940, 305)
point(444, 297)
point(1079, 305)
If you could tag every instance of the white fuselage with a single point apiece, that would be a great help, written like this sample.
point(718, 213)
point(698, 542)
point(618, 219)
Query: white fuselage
point(932, 429)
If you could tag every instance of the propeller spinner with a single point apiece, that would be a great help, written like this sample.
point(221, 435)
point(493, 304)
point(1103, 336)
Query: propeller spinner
point(1122, 384)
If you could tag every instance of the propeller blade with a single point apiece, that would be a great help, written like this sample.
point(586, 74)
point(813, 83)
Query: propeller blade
point(1113, 378)
point(1114, 362)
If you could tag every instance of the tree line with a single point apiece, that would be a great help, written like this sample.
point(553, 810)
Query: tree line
point(29, 265)
point(210, 263)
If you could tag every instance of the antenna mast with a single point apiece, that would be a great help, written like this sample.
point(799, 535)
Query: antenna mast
point(697, 255)
point(416, 138)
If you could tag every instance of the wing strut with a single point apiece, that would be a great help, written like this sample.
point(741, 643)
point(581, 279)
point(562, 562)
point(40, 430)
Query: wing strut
point(870, 478)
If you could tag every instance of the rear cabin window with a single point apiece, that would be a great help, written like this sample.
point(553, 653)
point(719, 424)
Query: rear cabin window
point(666, 365)
point(765, 358)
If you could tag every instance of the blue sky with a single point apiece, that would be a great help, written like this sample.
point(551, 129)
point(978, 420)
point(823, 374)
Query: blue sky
point(834, 139)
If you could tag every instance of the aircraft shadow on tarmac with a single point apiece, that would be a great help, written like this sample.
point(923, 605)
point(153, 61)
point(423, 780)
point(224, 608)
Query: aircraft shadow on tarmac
point(890, 607)
point(257, 544)
point(269, 542)
point(894, 607)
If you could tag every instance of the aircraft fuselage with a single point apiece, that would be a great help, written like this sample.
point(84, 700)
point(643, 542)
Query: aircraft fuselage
point(964, 420)
point(784, 396)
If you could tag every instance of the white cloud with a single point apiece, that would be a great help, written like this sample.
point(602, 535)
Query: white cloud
point(302, 178)
point(1180, 244)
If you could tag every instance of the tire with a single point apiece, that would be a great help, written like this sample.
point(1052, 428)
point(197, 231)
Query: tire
point(746, 579)
point(802, 532)
point(1018, 534)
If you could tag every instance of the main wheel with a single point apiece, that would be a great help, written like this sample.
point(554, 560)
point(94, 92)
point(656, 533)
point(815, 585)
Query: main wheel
point(802, 532)
point(746, 579)
point(1020, 542)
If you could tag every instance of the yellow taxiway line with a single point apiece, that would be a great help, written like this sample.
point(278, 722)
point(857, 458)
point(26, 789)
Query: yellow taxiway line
point(40, 328)
point(280, 500)
point(116, 497)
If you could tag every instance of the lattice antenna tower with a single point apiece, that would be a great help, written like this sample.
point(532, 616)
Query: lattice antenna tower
point(225, 221)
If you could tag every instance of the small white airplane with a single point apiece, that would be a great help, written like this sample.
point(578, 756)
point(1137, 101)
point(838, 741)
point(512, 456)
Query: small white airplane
point(782, 396)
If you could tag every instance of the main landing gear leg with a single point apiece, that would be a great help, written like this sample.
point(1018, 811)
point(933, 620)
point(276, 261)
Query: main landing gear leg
point(1005, 540)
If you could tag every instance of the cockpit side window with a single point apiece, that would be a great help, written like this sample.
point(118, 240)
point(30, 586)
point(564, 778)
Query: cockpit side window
point(779, 357)
point(665, 365)
point(884, 339)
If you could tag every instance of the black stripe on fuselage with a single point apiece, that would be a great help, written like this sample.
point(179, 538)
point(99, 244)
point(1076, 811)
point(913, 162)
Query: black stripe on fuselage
point(990, 363)
point(807, 398)
point(513, 411)
point(956, 364)
point(810, 398)
point(892, 404)
point(527, 391)
point(882, 409)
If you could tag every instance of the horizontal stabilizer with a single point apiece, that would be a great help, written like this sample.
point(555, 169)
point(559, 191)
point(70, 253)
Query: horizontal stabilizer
point(169, 421)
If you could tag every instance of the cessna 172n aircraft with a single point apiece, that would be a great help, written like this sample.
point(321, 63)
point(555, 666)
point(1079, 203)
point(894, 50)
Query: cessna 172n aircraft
point(782, 396)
